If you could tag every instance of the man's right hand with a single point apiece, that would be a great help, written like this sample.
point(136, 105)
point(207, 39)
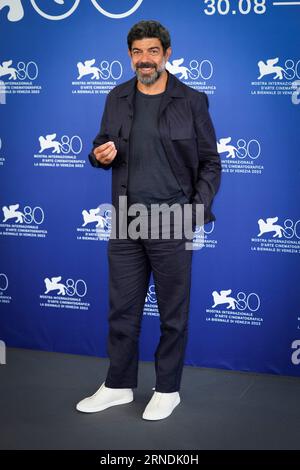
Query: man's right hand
point(105, 153)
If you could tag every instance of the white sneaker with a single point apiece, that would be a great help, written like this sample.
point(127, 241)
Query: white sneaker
point(161, 405)
point(104, 398)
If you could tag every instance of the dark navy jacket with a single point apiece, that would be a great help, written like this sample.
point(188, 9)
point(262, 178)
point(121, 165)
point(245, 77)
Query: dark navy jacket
point(187, 134)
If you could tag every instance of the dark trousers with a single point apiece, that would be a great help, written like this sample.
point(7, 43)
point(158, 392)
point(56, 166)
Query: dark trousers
point(130, 265)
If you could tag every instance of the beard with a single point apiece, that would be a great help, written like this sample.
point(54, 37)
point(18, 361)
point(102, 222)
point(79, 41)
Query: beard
point(151, 78)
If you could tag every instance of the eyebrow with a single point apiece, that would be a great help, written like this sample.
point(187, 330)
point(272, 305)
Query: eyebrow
point(149, 48)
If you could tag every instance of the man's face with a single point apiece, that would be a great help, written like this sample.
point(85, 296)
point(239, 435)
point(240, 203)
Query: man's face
point(148, 60)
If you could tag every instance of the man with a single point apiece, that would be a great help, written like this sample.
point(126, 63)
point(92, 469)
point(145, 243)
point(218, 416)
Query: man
point(157, 136)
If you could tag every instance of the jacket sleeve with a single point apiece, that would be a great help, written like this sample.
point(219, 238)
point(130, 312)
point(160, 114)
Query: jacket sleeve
point(209, 170)
point(101, 138)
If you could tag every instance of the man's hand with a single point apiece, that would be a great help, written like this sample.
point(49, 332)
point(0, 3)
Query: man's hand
point(105, 153)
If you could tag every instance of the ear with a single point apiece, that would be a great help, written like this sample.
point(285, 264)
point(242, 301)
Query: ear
point(129, 52)
point(168, 53)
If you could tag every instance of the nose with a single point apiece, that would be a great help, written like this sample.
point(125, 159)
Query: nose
point(145, 57)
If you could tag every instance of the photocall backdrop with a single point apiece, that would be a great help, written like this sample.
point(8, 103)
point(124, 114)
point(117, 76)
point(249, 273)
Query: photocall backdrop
point(58, 61)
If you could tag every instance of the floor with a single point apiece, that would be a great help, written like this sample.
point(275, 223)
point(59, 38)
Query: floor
point(219, 409)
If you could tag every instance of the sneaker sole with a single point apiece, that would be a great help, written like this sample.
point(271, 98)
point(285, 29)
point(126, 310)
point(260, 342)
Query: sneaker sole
point(104, 407)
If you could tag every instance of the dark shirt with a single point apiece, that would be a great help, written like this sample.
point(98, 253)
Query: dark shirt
point(150, 177)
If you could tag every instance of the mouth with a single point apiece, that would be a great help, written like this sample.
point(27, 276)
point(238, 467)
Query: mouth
point(147, 69)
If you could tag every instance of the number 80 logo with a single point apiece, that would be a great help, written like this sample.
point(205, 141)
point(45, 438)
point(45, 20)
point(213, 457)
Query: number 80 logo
point(96, 5)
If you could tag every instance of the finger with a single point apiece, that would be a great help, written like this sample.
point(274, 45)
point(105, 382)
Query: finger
point(102, 153)
point(111, 156)
point(106, 146)
point(107, 153)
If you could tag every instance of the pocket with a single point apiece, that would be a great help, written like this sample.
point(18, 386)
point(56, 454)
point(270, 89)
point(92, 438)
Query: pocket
point(184, 141)
point(182, 133)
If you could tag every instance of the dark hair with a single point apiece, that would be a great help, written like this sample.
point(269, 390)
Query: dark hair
point(149, 29)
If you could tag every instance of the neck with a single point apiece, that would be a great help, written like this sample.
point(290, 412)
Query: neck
point(154, 88)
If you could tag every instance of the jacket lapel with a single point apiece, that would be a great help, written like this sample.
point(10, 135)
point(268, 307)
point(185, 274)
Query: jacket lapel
point(173, 90)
